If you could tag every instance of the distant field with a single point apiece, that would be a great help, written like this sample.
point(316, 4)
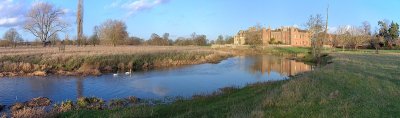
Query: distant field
point(97, 50)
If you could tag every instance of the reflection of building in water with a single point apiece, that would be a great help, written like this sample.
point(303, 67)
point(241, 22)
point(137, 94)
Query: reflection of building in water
point(266, 64)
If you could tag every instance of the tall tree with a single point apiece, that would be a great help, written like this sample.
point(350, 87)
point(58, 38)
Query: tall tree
point(315, 26)
point(79, 22)
point(253, 35)
point(44, 20)
point(366, 27)
point(393, 33)
point(199, 40)
point(155, 39)
point(12, 37)
point(383, 30)
point(165, 39)
point(113, 32)
point(94, 39)
point(342, 37)
point(357, 36)
point(54, 39)
point(229, 39)
point(220, 40)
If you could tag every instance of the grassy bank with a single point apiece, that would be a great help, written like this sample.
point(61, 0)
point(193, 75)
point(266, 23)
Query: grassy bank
point(97, 60)
point(302, 54)
point(354, 85)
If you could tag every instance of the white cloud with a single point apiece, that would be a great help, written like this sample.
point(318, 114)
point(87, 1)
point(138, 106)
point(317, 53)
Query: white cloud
point(10, 21)
point(135, 6)
point(11, 13)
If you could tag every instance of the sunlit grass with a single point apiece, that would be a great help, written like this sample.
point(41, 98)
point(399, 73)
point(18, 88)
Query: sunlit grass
point(354, 85)
point(93, 60)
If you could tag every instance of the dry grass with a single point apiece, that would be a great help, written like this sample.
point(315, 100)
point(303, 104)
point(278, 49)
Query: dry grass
point(95, 60)
point(30, 113)
point(98, 50)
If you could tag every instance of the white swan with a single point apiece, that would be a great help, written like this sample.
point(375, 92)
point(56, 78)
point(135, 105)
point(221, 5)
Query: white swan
point(128, 73)
point(116, 74)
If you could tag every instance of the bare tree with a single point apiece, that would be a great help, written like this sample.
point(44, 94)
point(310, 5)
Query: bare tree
point(357, 36)
point(376, 41)
point(79, 21)
point(253, 35)
point(315, 26)
point(54, 39)
point(113, 32)
point(366, 26)
point(44, 20)
point(342, 37)
point(12, 37)
point(94, 39)
point(166, 39)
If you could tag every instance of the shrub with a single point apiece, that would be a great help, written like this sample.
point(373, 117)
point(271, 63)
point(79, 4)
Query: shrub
point(30, 113)
point(4, 115)
point(117, 103)
point(90, 103)
point(132, 99)
point(38, 102)
point(64, 106)
point(89, 69)
point(17, 106)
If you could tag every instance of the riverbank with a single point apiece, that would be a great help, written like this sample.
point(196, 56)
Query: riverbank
point(83, 61)
point(301, 54)
point(355, 84)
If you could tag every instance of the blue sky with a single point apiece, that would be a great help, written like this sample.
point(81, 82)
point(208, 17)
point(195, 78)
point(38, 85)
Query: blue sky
point(209, 17)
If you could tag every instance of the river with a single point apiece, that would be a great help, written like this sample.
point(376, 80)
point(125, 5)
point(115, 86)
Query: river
point(155, 84)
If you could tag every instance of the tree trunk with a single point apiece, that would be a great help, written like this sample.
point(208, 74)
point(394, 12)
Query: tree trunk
point(44, 43)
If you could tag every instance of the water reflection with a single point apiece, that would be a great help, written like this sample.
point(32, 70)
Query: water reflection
point(182, 81)
point(79, 87)
point(268, 64)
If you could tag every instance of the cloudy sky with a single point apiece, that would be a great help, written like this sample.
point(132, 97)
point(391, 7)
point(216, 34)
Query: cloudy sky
point(210, 17)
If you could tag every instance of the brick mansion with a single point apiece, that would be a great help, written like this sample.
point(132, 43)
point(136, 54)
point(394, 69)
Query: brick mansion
point(285, 35)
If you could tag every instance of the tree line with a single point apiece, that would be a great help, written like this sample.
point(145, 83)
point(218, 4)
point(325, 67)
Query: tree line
point(386, 36)
point(44, 21)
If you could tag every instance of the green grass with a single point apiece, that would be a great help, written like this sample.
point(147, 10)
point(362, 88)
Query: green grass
point(354, 85)
point(293, 50)
point(369, 51)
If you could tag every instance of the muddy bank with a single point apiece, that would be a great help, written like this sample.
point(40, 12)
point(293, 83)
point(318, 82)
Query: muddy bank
point(42, 65)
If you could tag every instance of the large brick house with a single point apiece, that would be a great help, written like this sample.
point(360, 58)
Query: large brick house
point(284, 35)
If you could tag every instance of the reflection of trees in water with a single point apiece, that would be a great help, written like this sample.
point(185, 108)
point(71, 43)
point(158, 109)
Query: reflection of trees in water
point(267, 64)
point(47, 86)
point(79, 87)
point(42, 85)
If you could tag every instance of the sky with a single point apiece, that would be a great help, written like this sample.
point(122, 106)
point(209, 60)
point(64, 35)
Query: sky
point(180, 18)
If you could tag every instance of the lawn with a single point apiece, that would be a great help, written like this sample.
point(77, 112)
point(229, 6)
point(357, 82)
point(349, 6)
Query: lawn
point(354, 85)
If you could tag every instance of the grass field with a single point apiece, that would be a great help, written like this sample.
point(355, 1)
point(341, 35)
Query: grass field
point(356, 84)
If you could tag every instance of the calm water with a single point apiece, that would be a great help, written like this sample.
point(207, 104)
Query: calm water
point(183, 81)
